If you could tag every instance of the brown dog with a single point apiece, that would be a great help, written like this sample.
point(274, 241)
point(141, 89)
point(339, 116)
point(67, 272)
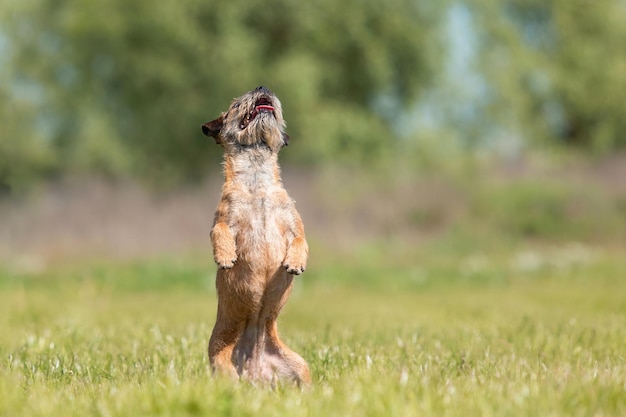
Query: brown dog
point(258, 243)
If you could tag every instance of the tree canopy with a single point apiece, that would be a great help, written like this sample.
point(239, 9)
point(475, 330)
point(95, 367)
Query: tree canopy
point(556, 69)
point(118, 86)
point(121, 87)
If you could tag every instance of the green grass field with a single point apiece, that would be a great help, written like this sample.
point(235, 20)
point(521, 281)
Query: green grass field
point(510, 331)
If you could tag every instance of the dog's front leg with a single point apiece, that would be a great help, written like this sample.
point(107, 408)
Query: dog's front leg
point(222, 239)
point(298, 250)
point(224, 251)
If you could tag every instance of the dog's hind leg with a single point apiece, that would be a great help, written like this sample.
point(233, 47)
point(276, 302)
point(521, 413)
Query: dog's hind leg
point(285, 363)
point(223, 339)
point(233, 310)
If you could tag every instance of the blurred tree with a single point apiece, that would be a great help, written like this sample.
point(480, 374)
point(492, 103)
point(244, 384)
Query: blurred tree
point(123, 86)
point(24, 155)
point(555, 69)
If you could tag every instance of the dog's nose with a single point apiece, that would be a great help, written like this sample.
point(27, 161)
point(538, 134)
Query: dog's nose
point(263, 89)
point(259, 88)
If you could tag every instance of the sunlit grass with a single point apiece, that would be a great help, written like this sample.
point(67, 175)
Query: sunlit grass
point(510, 332)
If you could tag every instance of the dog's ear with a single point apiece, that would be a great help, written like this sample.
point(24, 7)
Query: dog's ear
point(213, 128)
point(286, 139)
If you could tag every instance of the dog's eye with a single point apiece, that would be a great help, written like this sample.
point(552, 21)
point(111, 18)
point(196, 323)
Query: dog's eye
point(236, 105)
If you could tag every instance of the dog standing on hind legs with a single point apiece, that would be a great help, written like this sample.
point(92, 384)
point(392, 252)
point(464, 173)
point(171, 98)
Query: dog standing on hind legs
point(258, 244)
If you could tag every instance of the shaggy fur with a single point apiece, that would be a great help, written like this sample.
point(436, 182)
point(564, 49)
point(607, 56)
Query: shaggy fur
point(258, 243)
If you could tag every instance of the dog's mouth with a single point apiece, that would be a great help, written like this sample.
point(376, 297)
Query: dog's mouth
point(263, 104)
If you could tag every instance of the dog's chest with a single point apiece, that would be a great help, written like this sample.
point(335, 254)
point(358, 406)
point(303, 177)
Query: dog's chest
point(260, 209)
point(258, 204)
point(255, 202)
point(259, 223)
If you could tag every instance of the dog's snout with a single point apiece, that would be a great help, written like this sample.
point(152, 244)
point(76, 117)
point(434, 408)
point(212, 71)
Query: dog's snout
point(263, 89)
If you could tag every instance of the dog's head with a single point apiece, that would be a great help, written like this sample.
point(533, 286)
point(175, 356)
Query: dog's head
point(252, 120)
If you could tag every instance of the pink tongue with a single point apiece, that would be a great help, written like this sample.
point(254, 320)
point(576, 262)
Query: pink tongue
point(264, 107)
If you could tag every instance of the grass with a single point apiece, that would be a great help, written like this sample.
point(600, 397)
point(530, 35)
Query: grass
point(519, 331)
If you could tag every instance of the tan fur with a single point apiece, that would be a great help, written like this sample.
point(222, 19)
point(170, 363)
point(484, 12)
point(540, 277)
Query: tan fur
point(258, 243)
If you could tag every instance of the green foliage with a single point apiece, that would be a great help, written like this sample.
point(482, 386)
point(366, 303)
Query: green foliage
point(24, 156)
point(478, 203)
point(532, 209)
point(119, 88)
point(534, 342)
point(555, 68)
point(122, 87)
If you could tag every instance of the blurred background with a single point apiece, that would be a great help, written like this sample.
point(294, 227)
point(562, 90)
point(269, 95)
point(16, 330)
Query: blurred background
point(462, 124)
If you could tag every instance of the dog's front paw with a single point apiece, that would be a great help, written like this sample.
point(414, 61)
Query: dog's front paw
point(295, 261)
point(225, 258)
point(295, 270)
point(224, 249)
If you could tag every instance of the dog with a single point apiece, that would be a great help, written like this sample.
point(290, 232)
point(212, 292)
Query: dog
point(258, 244)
